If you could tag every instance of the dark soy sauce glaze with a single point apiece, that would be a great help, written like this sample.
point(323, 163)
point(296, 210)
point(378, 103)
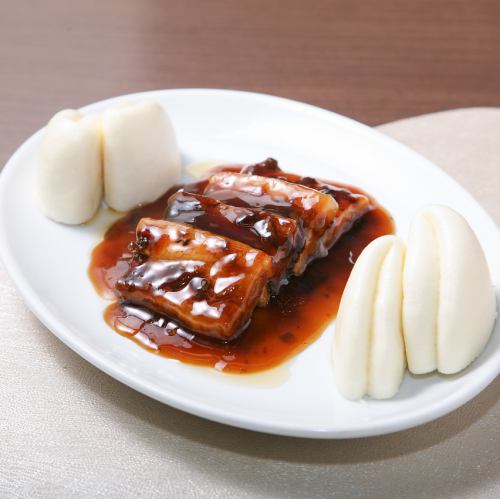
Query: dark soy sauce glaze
point(291, 321)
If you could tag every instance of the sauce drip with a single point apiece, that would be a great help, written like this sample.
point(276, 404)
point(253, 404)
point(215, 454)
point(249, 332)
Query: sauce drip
point(292, 320)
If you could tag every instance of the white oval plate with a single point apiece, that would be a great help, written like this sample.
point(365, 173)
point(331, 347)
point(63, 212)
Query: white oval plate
point(48, 263)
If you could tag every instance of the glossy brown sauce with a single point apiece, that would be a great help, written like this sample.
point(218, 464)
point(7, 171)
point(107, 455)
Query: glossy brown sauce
point(291, 321)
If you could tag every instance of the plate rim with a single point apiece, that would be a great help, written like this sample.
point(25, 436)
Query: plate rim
point(55, 326)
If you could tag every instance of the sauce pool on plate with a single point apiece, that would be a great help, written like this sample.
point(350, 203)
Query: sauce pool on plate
point(288, 324)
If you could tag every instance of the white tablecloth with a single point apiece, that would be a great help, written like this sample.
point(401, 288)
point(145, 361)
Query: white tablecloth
point(68, 430)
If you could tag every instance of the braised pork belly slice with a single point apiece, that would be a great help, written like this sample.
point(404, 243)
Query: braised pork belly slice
point(207, 283)
point(278, 236)
point(352, 206)
point(313, 211)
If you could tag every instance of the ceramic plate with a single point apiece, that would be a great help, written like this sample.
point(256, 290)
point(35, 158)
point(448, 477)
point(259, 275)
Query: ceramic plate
point(48, 263)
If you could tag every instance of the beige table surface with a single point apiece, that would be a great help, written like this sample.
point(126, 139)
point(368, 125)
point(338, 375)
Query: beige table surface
point(68, 430)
